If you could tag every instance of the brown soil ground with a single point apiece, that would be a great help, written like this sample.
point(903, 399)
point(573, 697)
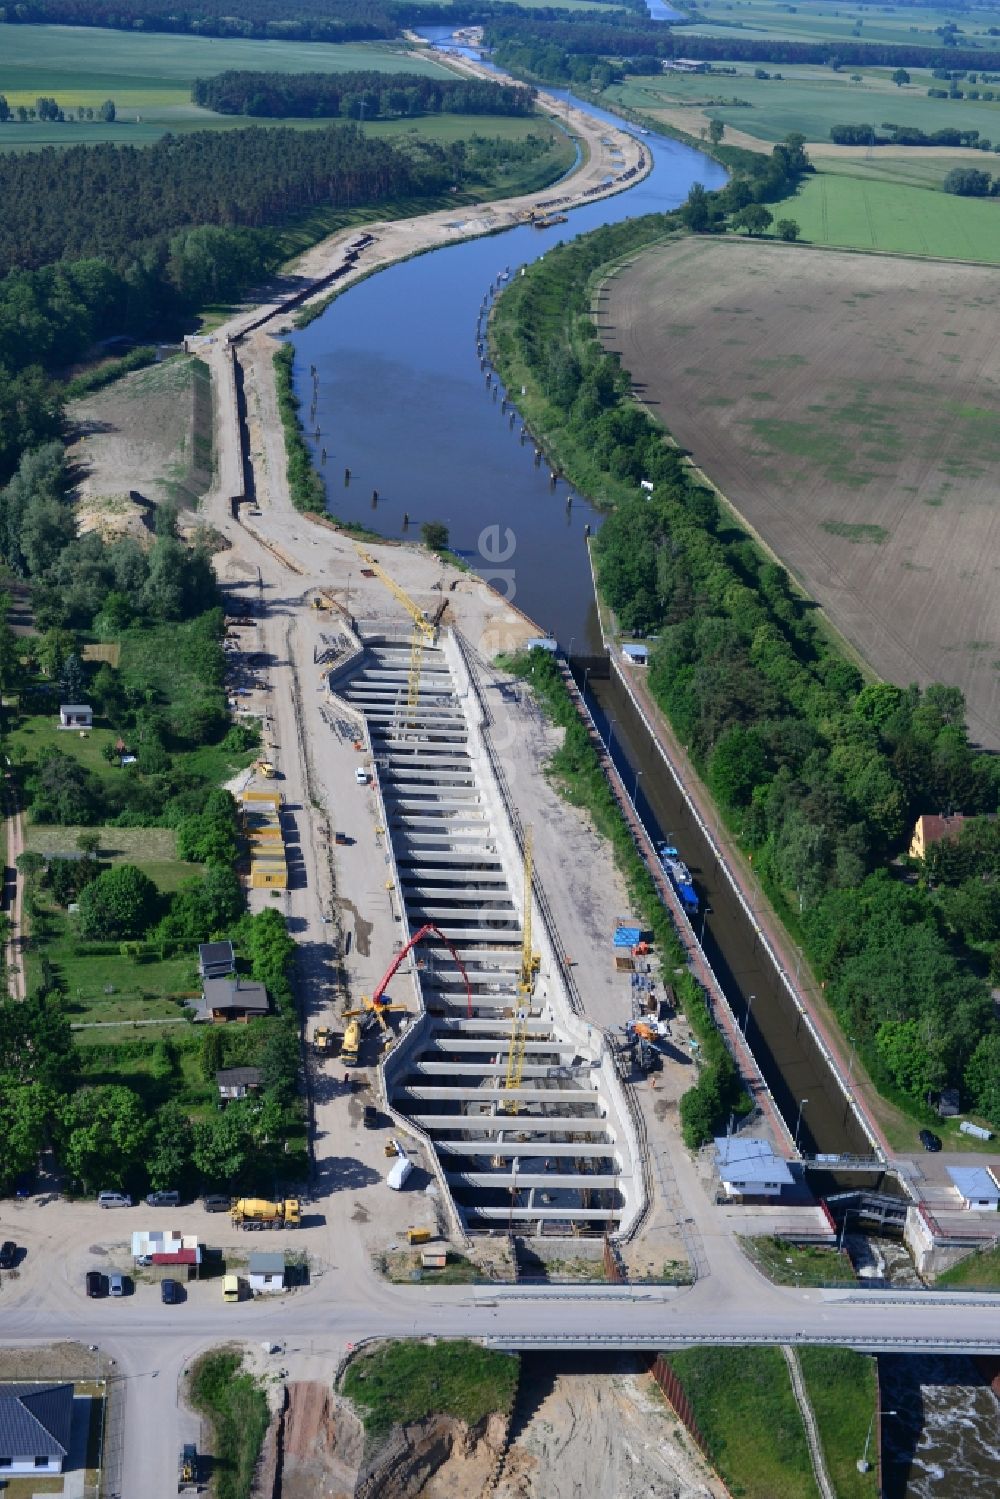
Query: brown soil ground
point(609, 1433)
point(144, 439)
point(323, 1444)
point(849, 408)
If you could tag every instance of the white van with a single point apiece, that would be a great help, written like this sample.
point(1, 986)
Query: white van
point(361, 775)
point(114, 1199)
point(400, 1172)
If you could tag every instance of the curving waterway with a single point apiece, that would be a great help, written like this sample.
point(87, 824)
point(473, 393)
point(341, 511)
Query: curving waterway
point(403, 404)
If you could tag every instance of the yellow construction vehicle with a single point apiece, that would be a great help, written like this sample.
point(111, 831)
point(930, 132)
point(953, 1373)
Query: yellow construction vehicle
point(375, 1009)
point(351, 1046)
point(424, 630)
point(530, 963)
point(322, 1040)
point(265, 768)
point(187, 1467)
point(255, 1212)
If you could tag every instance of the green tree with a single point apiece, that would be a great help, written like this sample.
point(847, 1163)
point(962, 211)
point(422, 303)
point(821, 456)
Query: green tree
point(904, 1055)
point(107, 111)
point(121, 902)
point(25, 1112)
point(213, 1052)
point(171, 1144)
point(52, 649)
point(62, 791)
point(982, 1077)
point(696, 211)
point(738, 765)
point(900, 76)
point(716, 130)
point(104, 1134)
point(222, 1145)
point(434, 534)
point(279, 1063)
point(754, 218)
point(89, 843)
point(787, 229)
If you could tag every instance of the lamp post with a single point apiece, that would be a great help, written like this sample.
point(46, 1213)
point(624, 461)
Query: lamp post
point(843, 1228)
point(611, 724)
point(798, 1122)
point(706, 911)
point(863, 1465)
point(635, 793)
point(586, 674)
point(746, 1014)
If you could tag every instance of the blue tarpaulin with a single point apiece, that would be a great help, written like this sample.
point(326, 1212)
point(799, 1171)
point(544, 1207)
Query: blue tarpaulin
point(627, 936)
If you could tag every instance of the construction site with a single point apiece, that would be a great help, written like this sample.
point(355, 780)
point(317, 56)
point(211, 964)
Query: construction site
point(497, 1071)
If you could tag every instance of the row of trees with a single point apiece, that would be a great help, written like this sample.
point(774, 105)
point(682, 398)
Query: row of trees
point(822, 775)
point(303, 20)
point(905, 135)
point(51, 109)
point(355, 95)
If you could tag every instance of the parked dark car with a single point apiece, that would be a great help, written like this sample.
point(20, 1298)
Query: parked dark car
point(171, 1292)
point(371, 1119)
point(930, 1141)
point(8, 1254)
point(217, 1202)
point(163, 1199)
point(97, 1284)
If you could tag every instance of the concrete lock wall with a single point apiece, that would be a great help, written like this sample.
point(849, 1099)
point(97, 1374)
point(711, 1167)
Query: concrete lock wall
point(551, 992)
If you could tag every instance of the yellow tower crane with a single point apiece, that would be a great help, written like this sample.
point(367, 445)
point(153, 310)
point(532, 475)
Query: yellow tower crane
point(424, 631)
point(530, 962)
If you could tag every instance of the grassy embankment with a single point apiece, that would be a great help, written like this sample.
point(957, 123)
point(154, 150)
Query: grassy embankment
point(798, 1265)
point(577, 772)
point(738, 1394)
point(841, 1389)
point(981, 1269)
point(235, 1405)
point(744, 1406)
point(406, 1381)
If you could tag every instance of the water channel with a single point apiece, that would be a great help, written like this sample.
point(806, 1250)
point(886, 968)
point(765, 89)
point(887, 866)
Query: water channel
point(402, 403)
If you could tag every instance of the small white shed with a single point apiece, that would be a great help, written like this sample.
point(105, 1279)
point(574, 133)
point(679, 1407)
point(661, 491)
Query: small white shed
point(76, 716)
point(266, 1272)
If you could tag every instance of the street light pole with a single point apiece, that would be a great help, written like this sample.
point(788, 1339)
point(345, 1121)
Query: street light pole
point(635, 793)
point(798, 1122)
point(863, 1465)
point(705, 912)
point(746, 1014)
point(611, 724)
point(843, 1229)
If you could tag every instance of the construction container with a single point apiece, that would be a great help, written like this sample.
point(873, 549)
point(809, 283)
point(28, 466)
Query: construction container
point(434, 1259)
point(418, 1235)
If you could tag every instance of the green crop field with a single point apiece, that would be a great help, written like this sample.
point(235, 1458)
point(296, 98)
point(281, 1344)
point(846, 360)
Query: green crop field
point(820, 22)
point(810, 100)
point(149, 77)
point(853, 214)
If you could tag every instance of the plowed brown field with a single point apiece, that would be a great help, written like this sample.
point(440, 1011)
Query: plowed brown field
point(849, 408)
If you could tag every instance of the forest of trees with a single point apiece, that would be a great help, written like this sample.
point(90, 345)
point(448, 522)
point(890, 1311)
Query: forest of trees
point(109, 200)
point(356, 95)
point(822, 775)
point(311, 20)
point(905, 135)
point(545, 48)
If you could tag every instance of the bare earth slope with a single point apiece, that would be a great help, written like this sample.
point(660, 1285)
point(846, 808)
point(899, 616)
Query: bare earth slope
point(849, 407)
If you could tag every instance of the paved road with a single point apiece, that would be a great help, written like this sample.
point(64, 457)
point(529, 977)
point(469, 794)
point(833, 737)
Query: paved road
point(152, 1344)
